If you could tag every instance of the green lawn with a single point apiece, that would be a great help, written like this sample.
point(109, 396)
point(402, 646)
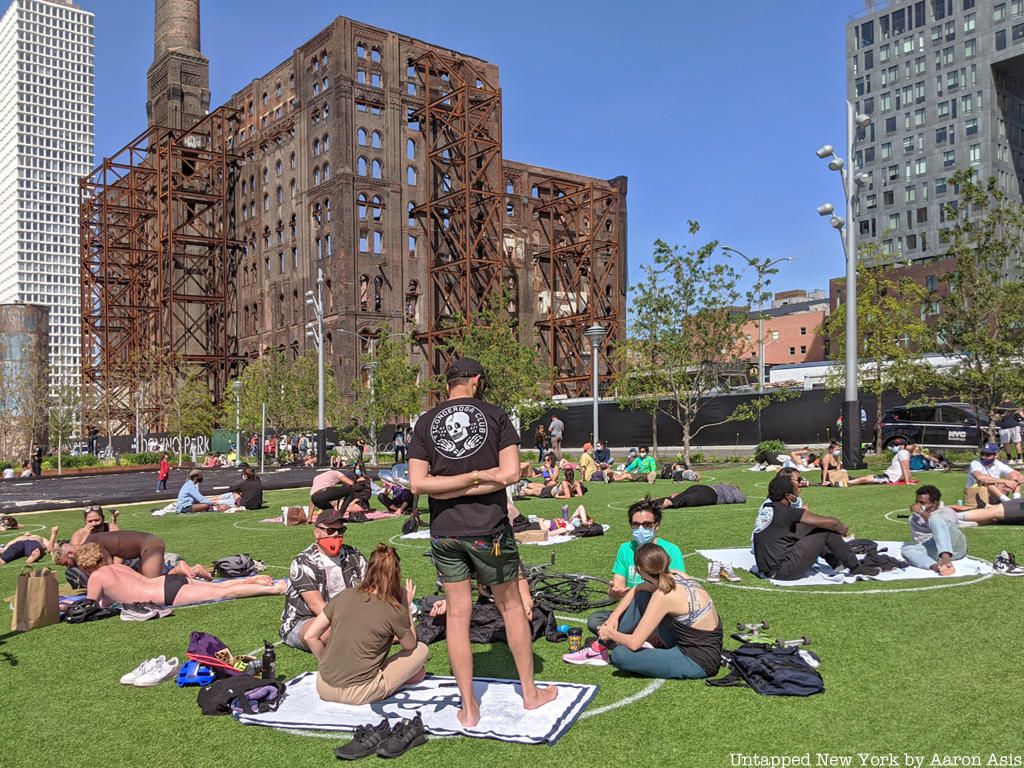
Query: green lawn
point(916, 672)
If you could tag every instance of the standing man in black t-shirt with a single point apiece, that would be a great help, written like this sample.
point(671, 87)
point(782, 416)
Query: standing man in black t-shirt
point(463, 454)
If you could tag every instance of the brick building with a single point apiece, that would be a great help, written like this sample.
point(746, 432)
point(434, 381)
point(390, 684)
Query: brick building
point(792, 330)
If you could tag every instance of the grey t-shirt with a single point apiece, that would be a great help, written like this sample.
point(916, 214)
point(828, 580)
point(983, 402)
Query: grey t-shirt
point(919, 530)
point(557, 428)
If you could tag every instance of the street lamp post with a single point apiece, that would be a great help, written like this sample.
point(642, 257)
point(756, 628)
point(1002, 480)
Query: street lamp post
point(237, 387)
point(316, 332)
point(371, 368)
point(852, 457)
point(595, 333)
point(763, 268)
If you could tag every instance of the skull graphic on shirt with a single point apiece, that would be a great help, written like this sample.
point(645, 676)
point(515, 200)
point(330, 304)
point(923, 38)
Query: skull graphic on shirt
point(458, 431)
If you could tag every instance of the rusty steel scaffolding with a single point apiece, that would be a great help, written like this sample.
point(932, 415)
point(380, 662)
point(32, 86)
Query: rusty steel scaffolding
point(158, 264)
point(579, 264)
point(461, 122)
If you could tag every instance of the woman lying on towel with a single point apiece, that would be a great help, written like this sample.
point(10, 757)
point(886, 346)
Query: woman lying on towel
point(666, 627)
point(353, 635)
point(120, 584)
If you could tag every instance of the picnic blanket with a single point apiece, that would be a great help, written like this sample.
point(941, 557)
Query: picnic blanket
point(67, 600)
point(436, 699)
point(560, 539)
point(822, 574)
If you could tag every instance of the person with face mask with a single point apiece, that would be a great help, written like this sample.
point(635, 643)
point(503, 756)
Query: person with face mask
point(191, 499)
point(324, 569)
point(333, 486)
point(988, 472)
point(642, 467)
point(645, 521)
point(898, 470)
point(788, 539)
point(675, 609)
point(831, 462)
point(937, 538)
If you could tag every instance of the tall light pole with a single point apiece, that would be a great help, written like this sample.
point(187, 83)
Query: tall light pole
point(138, 421)
point(237, 387)
point(371, 368)
point(316, 332)
point(763, 269)
point(595, 333)
point(852, 457)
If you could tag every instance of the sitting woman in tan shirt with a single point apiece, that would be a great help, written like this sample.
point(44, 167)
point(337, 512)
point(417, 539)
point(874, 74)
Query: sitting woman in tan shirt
point(354, 664)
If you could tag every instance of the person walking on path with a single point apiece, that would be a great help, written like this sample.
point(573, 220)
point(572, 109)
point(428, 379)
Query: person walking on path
point(463, 454)
point(163, 473)
point(556, 429)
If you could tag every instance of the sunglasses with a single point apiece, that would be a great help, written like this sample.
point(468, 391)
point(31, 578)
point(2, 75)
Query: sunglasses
point(648, 525)
point(331, 531)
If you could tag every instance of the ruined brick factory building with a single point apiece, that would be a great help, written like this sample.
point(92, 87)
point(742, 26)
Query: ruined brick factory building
point(373, 157)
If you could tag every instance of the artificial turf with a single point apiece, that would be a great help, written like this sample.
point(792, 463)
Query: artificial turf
point(907, 672)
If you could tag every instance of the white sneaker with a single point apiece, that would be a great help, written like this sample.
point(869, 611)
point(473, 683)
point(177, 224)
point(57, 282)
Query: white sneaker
point(156, 674)
point(158, 512)
point(714, 571)
point(143, 668)
point(727, 572)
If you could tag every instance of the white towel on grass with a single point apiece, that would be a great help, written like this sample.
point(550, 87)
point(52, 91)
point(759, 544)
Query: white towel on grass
point(822, 574)
point(437, 700)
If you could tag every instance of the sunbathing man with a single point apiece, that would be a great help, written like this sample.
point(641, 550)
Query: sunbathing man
point(788, 539)
point(118, 546)
point(114, 583)
point(29, 546)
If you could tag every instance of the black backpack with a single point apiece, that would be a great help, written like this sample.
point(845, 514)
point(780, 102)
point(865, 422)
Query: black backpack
point(585, 530)
point(242, 692)
point(234, 566)
point(87, 610)
point(412, 524)
point(771, 671)
point(76, 577)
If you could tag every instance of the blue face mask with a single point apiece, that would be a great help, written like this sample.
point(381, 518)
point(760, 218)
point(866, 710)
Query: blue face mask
point(643, 536)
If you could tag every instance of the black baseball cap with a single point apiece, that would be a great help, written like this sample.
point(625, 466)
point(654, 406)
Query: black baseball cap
point(463, 368)
point(330, 518)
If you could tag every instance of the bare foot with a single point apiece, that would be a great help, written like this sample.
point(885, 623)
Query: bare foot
point(281, 587)
point(543, 696)
point(469, 714)
point(261, 579)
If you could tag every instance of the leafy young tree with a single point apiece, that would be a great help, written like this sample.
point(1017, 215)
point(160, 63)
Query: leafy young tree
point(65, 405)
point(189, 407)
point(28, 390)
point(891, 334)
point(397, 392)
point(288, 387)
point(516, 378)
point(684, 334)
point(980, 322)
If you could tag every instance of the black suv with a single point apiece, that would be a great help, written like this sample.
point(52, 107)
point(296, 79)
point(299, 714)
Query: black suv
point(945, 425)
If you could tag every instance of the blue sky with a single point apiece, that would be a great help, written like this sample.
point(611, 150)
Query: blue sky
point(712, 109)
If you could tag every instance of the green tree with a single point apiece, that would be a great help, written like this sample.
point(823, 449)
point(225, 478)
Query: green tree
point(684, 335)
point(28, 391)
point(397, 392)
point(980, 323)
point(891, 334)
point(188, 405)
point(65, 406)
point(516, 379)
point(288, 387)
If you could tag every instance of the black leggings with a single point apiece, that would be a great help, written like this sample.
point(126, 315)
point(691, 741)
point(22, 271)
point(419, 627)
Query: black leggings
point(173, 582)
point(694, 496)
point(322, 499)
point(813, 544)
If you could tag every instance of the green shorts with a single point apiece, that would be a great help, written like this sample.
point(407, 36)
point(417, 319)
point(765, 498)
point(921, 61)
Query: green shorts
point(490, 559)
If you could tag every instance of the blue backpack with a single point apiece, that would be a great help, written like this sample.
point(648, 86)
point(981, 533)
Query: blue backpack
point(771, 671)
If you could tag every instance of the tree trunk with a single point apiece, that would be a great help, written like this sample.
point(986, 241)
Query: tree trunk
point(654, 434)
point(878, 425)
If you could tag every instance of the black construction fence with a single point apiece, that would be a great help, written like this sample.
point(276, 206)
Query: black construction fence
point(808, 417)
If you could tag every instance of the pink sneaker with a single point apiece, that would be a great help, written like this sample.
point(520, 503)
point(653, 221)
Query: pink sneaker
point(594, 655)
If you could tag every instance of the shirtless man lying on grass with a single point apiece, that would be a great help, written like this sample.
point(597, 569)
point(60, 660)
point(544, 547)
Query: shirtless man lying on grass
point(120, 584)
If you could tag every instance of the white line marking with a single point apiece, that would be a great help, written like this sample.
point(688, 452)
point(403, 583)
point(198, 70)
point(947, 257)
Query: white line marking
point(837, 592)
point(24, 529)
point(643, 693)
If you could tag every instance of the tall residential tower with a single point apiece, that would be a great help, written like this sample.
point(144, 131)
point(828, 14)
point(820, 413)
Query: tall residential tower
point(943, 81)
point(46, 145)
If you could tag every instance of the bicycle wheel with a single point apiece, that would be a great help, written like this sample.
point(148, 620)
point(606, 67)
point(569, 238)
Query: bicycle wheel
point(570, 591)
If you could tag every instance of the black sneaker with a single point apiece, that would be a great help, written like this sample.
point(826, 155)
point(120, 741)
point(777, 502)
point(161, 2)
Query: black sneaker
point(406, 735)
point(365, 742)
point(865, 570)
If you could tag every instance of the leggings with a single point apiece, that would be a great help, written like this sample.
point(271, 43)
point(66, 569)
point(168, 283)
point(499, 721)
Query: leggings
point(694, 496)
point(669, 662)
point(814, 543)
point(322, 499)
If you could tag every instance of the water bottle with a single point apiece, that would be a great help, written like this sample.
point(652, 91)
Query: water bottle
point(268, 667)
point(565, 511)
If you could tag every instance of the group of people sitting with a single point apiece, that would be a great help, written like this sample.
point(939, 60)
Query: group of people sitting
point(247, 493)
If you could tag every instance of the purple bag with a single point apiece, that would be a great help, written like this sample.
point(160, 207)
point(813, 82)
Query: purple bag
point(203, 647)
